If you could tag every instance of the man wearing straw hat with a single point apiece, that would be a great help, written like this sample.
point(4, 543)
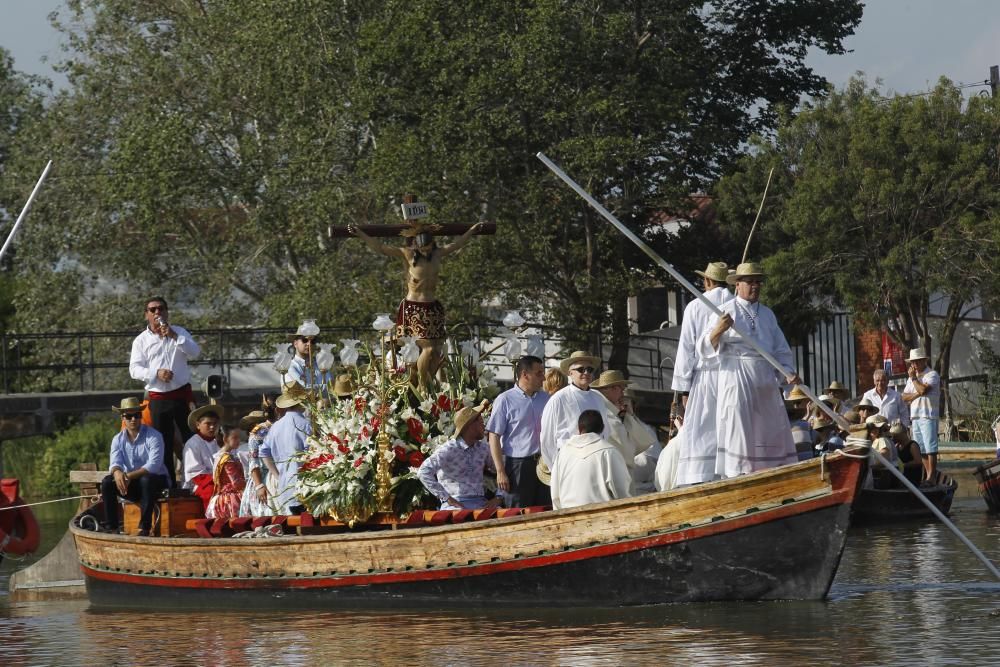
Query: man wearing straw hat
point(624, 430)
point(923, 394)
point(136, 470)
point(454, 472)
point(803, 435)
point(159, 358)
point(698, 377)
point(751, 423)
point(559, 419)
point(285, 439)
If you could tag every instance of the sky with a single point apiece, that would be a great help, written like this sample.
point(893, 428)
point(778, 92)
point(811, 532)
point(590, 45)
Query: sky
point(908, 44)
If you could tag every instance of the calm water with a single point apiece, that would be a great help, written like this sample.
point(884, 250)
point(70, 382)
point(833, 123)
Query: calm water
point(905, 595)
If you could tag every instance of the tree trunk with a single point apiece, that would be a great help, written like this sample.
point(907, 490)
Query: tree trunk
point(943, 364)
point(620, 335)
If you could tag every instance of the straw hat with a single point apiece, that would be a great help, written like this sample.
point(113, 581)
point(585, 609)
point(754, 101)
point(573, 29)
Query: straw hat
point(198, 413)
point(835, 386)
point(866, 404)
point(543, 473)
point(796, 394)
point(343, 386)
point(820, 422)
point(466, 415)
point(130, 404)
point(877, 420)
point(746, 270)
point(897, 429)
point(292, 394)
point(717, 271)
point(916, 354)
point(610, 379)
point(251, 419)
point(579, 357)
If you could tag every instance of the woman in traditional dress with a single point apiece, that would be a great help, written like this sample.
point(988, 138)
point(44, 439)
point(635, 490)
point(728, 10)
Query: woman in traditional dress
point(228, 478)
point(256, 493)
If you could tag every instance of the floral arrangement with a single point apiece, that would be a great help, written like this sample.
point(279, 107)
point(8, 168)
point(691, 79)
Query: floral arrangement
point(337, 475)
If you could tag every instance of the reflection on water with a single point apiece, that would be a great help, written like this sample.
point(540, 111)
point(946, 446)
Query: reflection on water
point(905, 594)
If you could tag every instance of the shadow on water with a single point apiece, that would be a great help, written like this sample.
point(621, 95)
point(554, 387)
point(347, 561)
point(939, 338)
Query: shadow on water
point(905, 594)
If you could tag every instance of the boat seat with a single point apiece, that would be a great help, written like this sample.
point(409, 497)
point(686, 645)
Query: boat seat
point(201, 526)
point(484, 514)
point(437, 517)
point(461, 516)
point(241, 523)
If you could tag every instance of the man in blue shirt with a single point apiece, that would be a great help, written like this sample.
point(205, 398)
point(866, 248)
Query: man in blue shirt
point(136, 470)
point(514, 431)
point(454, 472)
point(285, 439)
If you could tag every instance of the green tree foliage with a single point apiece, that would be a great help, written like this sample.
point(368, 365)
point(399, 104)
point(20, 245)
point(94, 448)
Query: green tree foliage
point(206, 148)
point(877, 205)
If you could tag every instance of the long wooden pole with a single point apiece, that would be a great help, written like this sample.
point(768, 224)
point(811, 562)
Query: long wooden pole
point(24, 211)
point(760, 208)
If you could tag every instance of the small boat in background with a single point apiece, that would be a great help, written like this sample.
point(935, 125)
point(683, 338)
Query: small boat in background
point(988, 476)
point(19, 532)
point(894, 502)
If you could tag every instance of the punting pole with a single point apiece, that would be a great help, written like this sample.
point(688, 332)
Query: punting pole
point(760, 208)
point(774, 362)
point(677, 276)
point(24, 210)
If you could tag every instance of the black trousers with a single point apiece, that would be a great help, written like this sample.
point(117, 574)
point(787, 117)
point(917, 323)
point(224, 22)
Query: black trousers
point(146, 491)
point(168, 415)
point(526, 490)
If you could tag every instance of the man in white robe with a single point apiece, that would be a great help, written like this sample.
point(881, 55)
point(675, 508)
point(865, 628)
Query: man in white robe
point(589, 469)
point(559, 418)
point(699, 376)
point(751, 422)
point(623, 430)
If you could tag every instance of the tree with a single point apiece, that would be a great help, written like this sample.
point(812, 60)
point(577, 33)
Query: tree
point(214, 144)
point(879, 206)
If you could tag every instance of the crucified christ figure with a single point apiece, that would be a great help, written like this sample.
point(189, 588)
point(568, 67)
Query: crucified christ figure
point(420, 313)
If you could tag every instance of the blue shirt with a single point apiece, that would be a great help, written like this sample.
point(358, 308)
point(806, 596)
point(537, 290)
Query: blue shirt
point(517, 419)
point(456, 469)
point(298, 372)
point(146, 452)
point(286, 438)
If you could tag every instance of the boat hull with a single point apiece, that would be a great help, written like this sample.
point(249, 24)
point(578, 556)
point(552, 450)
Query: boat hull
point(774, 535)
point(887, 505)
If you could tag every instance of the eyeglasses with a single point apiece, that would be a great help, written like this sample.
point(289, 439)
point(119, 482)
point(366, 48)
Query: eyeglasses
point(157, 309)
point(584, 370)
point(132, 415)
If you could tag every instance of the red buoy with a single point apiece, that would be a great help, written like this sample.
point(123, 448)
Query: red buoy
point(19, 533)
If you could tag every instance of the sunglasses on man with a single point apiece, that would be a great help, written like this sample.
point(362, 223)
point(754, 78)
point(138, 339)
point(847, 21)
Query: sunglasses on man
point(584, 370)
point(131, 415)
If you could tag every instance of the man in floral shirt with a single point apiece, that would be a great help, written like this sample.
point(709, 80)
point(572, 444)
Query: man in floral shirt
point(454, 472)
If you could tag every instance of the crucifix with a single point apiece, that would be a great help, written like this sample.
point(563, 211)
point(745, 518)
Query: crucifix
point(420, 314)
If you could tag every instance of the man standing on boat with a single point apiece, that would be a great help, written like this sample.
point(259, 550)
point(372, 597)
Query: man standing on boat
point(136, 470)
point(160, 356)
point(887, 400)
point(559, 420)
point(302, 368)
point(285, 439)
point(751, 422)
point(589, 469)
point(698, 378)
point(629, 435)
point(515, 429)
point(923, 394)
point(454, 472)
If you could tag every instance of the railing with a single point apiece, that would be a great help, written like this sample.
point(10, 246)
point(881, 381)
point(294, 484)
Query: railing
point(98, 360)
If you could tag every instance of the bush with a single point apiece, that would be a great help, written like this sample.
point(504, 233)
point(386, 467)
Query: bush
point(89, 442)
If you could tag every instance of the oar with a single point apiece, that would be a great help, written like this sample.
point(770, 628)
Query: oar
point(24, 211)
point(760, 208)
point(774, 362)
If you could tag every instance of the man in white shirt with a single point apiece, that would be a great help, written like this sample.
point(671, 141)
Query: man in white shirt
point(589, 469)
point(889, 402)
point(159, 358)
point(561, 413)
point(923, 394)
point(699, 376)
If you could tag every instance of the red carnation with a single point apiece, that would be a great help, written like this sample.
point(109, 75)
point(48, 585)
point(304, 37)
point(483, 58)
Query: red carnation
point(342, 448)
point(365, 433)
point(359, 404)
point(416, 429)
point(400, 452)
point(357, 464)
point(416, 458)
point(376, 423)
point(332, 438)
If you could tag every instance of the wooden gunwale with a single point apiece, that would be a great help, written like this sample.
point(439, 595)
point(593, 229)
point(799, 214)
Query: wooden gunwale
point(465, 549)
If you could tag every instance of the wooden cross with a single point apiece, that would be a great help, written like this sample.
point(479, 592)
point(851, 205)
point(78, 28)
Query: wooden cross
point(446, 229)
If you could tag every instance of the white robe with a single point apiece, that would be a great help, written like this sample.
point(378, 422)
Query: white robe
point(561, 415)
point(589, 470)
point(628, 434)
point(751, 422)
point(665, 477)
point(699, 448)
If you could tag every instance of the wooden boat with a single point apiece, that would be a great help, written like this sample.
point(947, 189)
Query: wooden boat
point(776, 534)
point(897, 503)
point(988, 477)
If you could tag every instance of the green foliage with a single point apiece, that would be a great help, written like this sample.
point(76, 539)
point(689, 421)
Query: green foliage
point(988, 405)
point(207, 148)
point(89, 442)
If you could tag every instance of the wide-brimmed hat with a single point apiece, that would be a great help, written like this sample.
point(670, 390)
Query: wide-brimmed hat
point(717, 271)
point(917, 353)
point(877, 420)
point(820, 422)
point(307, 329)
point(292, 394)
point(343, 386)
point(251, 419)
point(796, 394)
point(746, 270)
point(835, 386)
point(465, 415)
point(866, 404)
point(198, 413)
point(130, 404)
point(579, 357)
point(897, 429)
point(543, 473)
point(610, 379)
